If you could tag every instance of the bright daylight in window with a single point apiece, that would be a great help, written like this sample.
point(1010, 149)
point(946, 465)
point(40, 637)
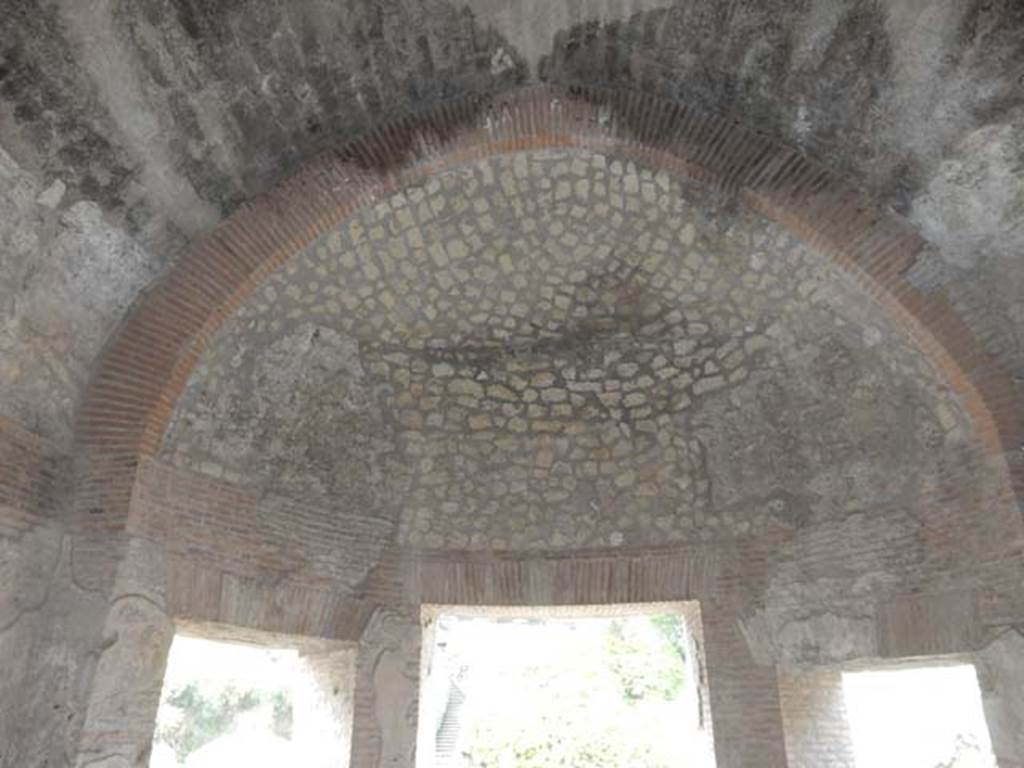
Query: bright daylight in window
point(917, 717)
point(228, 704)
point(590, 692)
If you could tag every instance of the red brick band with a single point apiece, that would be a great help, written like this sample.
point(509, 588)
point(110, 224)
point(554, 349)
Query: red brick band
point(147, 364)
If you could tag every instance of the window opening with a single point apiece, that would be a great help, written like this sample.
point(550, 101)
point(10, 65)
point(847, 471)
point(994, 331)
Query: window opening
point(262, 706)
point(598, 688)
point(917, 717)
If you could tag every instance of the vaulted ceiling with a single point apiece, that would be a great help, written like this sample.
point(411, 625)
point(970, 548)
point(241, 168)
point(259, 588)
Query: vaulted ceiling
point(129, 129)
point(311, 309)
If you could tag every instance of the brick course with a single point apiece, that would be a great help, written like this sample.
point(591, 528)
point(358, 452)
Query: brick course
point(228, 562)
point(147, 364)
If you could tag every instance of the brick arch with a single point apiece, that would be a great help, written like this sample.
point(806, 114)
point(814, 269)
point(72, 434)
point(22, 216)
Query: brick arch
point(148, 362)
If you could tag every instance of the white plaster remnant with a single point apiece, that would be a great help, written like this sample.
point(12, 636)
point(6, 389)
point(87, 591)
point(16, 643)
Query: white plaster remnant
point(530, 25)
point(52, 195)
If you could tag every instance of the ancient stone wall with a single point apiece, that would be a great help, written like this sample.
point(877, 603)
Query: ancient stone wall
point(67, 276)
point(214, 523)
point(561, 349)
point(191, 111)
point(387, 690)
point(814, 718)
point(230, 555)
point(493, 369)
point(1001, 678)
point(567, 375)
point(30, 553)
point(478, 342)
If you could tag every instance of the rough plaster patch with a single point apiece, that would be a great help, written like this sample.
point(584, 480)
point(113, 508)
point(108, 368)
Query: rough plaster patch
point(1001, 677)
point(530, 25)
point(126, 687)
point(819, 604)
point(974, 203)
point(27, 568)
point(66, 277)
point(52, 195)
point(298, 415)
point(114, 71)
point(815, 31)
point(390, 649)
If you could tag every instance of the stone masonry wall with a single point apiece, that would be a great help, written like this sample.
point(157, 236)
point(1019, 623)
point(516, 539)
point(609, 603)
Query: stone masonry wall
point(814, 717)
point(149, 120)
point(728, 579)
point(130, 128)
point(561, 349)
point(31, 541)
point(488, 365)
point(230, 555)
